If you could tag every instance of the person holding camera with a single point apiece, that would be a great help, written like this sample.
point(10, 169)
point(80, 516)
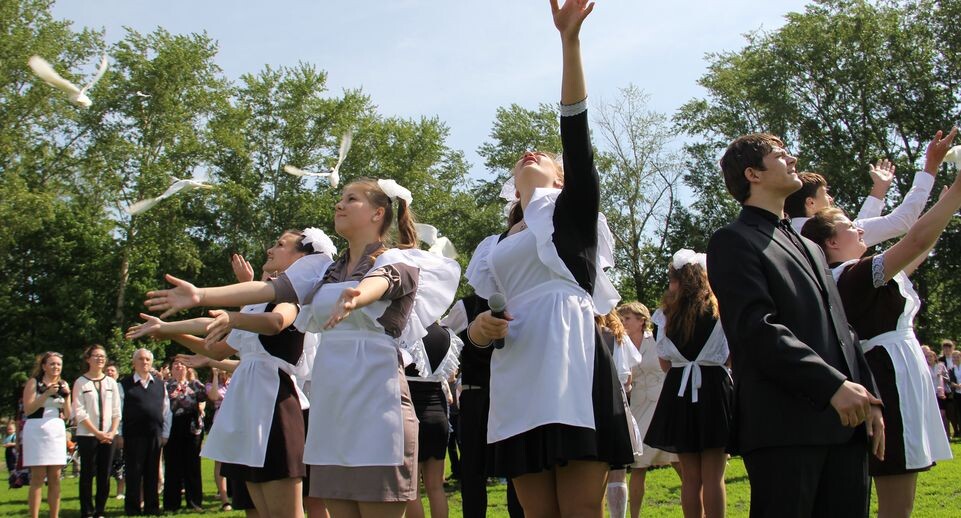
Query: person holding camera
point(46, 404)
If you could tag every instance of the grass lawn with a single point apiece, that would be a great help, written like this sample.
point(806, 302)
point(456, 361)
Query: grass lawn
point(939, 495)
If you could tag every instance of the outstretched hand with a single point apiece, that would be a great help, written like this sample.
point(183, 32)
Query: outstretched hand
point(345, 304)
point(882, 174)
point(568, 19)
point(151, 327)
point(194, 361)
point(937, 148)
point(182, 296)
point(242, 269)
point(219, 328)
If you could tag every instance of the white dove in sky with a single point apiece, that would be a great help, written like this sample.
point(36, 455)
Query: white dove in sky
point(438, 244)
point(178, 186)
point(953, 156)
point(334, 174)
point(77, 96)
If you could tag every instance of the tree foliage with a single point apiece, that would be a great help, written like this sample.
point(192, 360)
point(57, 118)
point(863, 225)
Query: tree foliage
point(844, 83)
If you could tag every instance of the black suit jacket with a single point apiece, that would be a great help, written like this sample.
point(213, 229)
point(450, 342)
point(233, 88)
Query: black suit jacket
point(791, 345)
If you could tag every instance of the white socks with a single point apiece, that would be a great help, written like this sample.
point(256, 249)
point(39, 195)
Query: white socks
point(617, 499)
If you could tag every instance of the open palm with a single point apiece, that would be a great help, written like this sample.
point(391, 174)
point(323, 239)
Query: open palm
point(569, 17)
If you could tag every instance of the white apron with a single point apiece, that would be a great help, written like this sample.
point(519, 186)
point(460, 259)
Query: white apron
point(356, 417)
point(923, 432)
point(714, 354)
point(240, 432)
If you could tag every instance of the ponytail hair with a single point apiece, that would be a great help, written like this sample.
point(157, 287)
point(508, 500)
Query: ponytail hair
point(406, 232)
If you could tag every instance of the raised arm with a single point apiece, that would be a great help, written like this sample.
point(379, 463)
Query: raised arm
point(923, 234)
point(897, 222)
point(882, 175)
point(568, 20)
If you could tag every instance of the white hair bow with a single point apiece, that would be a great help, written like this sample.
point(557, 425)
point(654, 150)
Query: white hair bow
point(686, 256)
point(319, 241)
point(394, 190)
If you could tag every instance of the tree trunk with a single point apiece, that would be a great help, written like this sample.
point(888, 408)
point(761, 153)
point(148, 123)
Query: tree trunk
point(121, 289)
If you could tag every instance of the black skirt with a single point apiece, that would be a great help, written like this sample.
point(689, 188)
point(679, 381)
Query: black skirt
point(430, 405)
point(551, 445)
point(285, 442)
point(681, 426)
point(894, 462)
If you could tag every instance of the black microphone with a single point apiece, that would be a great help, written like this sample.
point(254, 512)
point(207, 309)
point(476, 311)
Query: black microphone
point(498, 305)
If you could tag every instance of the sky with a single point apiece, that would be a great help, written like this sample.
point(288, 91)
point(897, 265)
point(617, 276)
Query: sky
point(457, 60)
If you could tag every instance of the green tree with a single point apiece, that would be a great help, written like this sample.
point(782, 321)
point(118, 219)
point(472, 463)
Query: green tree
point(845, 83)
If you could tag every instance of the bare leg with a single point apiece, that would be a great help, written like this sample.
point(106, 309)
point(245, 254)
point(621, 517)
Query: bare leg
point(381, 509)
point(255, 490)
point(714, 493)
point(415, 508)
point(432, 471)
point(580, 489)
point(691, 485)
point(343, 508)
point(316, 507)
point(283, 497)
point(35, 493)
point(896, 495)
point(53, 489)
point(537, 493)
point(636, 490)
point(221, 483)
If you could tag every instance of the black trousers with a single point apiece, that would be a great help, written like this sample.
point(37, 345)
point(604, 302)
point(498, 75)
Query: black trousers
point(452, 443)
point(96, 459)
point(810, 481)
point(141, 456)
point(182, 469)
point(474, 408)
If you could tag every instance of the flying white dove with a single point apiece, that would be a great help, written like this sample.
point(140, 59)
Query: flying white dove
point(333, 175)
point(954, 157)
point(77, 96)
point(141, 94)
point(438, 244)
point(178, 186)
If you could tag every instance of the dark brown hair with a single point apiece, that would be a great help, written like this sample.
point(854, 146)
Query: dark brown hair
point(794, 205)
point(300, 246)
point(746, 151)
point(692, 299)
point(822, 226)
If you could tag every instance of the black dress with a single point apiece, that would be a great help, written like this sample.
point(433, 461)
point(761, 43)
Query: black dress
point(548, 446)
point(430, 402)
point(285, 442)
point(680, 425)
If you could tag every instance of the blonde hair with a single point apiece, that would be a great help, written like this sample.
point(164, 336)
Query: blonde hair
point(612, 322)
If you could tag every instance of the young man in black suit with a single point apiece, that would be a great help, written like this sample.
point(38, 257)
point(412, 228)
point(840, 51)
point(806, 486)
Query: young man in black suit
point(803, 391)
